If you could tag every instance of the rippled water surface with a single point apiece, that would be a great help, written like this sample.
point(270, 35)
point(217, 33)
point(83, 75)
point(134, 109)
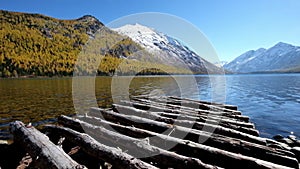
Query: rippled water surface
point(272, 101)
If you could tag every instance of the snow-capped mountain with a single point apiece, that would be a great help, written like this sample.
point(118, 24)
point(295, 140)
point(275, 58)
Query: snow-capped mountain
point(166, 49)
point(243, 59)
point(280, 57)
point(220, 63)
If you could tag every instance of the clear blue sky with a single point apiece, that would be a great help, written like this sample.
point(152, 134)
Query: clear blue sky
point(232, 26)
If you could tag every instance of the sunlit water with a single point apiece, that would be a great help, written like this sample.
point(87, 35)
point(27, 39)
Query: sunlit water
point(271, 101)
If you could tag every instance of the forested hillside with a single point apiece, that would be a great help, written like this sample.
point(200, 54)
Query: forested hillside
point(37, 45)
point(33, 44)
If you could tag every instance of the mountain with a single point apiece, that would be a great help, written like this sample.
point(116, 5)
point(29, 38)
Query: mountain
point(166, 49)
point(282, 57)
point(34, 44)
point(38, 45)
point(243, 59)
point(220, 63)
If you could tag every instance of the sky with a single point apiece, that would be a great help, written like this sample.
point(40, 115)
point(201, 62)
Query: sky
point(232, 27)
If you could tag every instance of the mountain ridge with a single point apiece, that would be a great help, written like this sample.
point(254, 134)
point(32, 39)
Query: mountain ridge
point(278, 58)
point(38, 45)
point(170, 50)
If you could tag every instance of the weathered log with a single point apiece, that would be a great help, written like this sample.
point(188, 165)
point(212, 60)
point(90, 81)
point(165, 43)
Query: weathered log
point(140, 133)
point(213, 140)
point(155, 106)
point(100, 151)
point(217, 119)
point(148, 123)
point(137, 147)
point(40, 148)
point(196, 125)
point(192, 107)
point(205, 153)
point(200, 105)
point(221, 122)
point(227, 106)
point(189, 104)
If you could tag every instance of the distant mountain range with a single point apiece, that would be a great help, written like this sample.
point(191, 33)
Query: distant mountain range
point(282, 57)
point(38, 45)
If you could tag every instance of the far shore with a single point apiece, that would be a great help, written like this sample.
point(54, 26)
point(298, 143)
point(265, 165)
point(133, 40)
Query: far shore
point(50, 77)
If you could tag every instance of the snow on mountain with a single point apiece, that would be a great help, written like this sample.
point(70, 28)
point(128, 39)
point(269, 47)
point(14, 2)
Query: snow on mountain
point(142, 35)
point(279, 57)
point(243, 59)
point(220, 63)
point(166, 49)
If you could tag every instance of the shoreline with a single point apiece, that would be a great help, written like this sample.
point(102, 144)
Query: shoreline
point(225, 74)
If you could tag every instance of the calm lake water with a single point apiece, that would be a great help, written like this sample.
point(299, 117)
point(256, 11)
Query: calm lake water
point(272, 101)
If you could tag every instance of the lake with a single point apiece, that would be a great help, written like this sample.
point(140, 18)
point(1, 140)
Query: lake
point(271, 100)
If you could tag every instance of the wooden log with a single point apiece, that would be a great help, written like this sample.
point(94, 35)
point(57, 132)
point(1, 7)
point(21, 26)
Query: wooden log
point(146, 123)
point(201, 105)
point(140, 133)
point(100, 151)
point(40, 148)
point(213, 140)
point(227, 106)
point(196, 125)
point(269, 141)
point(137, 147)
point(255, 139)
point(207, 154)
point(218, 119)
point(193, 104)
point(192, 107)
point(221, 122)
point(155, 106)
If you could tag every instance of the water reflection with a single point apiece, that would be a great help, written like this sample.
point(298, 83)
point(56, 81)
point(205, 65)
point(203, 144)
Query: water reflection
point(272, 101)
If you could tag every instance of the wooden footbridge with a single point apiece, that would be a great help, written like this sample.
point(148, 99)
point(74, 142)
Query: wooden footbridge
point(153, 132)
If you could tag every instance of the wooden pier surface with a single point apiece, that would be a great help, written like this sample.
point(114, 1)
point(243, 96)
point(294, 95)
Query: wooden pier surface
point(153, 132)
